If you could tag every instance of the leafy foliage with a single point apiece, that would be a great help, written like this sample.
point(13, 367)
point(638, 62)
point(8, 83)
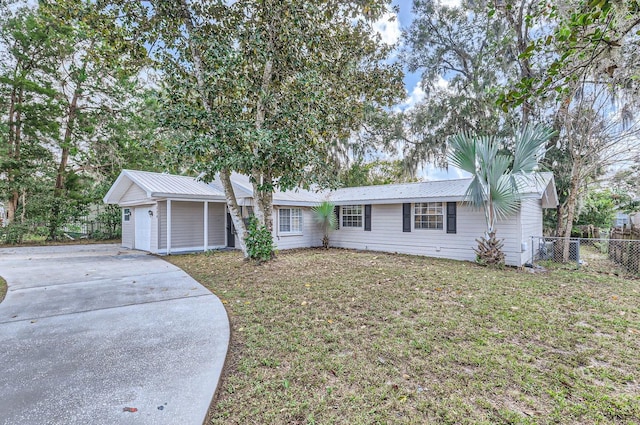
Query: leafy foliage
point(464, 56)
point(259, 241)
point(267, 88)
point(596, 38)
point(377, 172)
point(599, 209)
point(69, 109)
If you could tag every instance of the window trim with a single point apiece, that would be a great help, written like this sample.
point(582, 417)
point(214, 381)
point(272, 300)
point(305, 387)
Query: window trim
point(291, 216)
point(126, 214)
point(345, 215)
point(442, 216)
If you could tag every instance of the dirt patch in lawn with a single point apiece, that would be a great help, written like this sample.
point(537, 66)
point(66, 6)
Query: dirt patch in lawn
point(341, 336)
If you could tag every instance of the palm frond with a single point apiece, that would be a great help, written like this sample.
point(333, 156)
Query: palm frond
point(325, 216)
point(462, 152)
point(505, 198)
point(530, 147)
point(499, 166)
point(476, 193)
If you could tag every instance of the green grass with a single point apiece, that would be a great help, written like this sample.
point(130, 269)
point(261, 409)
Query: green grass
point(338, 336)
point(3, 288)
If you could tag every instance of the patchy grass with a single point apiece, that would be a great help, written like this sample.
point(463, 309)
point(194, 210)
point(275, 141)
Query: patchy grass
point(338, 336)
point(3, 288)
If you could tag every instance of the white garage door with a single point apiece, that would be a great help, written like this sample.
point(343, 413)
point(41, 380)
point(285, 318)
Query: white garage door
point(143, 229)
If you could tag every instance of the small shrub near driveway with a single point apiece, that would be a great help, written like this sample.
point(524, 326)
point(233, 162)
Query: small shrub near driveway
point(3, 289)
point(345, 337)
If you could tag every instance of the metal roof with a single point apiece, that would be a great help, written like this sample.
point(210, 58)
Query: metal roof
point(159, 185)
point(436, 190)
point(451, 190)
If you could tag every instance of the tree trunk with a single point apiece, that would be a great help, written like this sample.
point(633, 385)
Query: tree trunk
point(234, 210)
point(56, 208)
point(66, 142)
point(566, 224)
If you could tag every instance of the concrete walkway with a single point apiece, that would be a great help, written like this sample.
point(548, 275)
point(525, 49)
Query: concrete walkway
point(88, 330)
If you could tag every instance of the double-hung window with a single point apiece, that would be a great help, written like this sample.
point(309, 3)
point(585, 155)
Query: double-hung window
point(352, 216)
point(126, 213)
point(428, 215)
point(290, 220)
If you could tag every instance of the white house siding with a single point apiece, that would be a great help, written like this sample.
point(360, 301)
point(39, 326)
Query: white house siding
point(386, 235)
point(531, 212)
point(311, 233)
point(128, 230)
point(187, 224)
point(154, 228)
point(134, 194)
point(216, 223)
point(162, 225)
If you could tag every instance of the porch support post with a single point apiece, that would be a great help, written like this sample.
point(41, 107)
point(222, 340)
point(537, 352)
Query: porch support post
point(168, 226)
point(206, 225)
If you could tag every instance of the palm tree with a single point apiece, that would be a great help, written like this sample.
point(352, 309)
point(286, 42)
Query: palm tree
point(496, 177)
point(326, 218)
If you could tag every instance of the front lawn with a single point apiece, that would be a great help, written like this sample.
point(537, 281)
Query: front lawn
point(338, 336)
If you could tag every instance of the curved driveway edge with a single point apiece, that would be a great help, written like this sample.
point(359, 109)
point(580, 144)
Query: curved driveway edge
point(89, 330)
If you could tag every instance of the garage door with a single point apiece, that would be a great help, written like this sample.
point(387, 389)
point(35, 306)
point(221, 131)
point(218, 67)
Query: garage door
point(143, 229)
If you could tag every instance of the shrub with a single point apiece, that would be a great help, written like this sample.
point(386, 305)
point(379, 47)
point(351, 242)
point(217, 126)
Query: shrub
point(259, 241)
point(14, 233)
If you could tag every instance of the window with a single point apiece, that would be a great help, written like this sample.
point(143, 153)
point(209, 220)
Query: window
point(126, 214)
point(352, 216)
point(428, 215)
point(290, 220)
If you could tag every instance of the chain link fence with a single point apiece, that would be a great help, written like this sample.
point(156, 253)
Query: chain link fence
point(607, 254)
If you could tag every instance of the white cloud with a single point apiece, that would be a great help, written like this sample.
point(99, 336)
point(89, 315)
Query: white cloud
point(388, 27)
point(431, 172)
point(415, 97)
point(451, 3)
point(442, 83)
point(417, 94)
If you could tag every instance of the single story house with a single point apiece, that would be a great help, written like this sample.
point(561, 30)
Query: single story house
point(164, 214)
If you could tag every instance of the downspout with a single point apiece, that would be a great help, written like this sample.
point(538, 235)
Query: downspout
point(206, 225)
point(168, 226)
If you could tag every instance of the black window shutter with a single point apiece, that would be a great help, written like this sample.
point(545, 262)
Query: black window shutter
point(406, 217)
point(451, 217)
point(367, 218)
point(336, 211)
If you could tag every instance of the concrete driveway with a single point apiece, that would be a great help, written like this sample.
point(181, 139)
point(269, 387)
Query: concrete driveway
point(89, 330)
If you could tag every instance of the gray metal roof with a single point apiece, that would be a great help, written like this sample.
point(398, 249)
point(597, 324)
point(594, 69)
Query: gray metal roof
point(159, 185)
point(451, 190)
point(436, 190)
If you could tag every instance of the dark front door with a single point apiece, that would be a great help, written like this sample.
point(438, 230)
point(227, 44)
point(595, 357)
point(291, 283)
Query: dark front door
point(231, 233)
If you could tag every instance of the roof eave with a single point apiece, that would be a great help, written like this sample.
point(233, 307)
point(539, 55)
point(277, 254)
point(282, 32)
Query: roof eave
point(398, 200)
point(186, 196)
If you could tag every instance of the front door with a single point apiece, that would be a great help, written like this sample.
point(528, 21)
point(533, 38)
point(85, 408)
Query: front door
point(142, 229)
point(231, 232)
